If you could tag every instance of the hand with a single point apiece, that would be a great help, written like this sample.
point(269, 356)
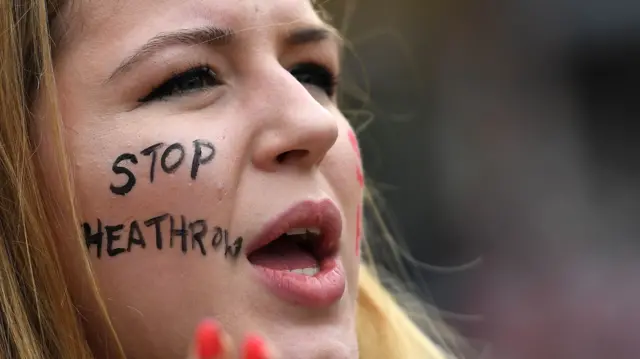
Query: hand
point(211, 342)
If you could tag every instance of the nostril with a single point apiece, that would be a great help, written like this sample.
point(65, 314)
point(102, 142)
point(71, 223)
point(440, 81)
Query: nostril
point(291, 155)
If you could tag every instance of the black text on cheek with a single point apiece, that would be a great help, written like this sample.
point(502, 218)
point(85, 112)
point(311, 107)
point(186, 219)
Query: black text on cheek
point(203, 153)
point(176, 230)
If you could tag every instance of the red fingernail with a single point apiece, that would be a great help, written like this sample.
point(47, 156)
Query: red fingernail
point(254, 348)
point(208, 341)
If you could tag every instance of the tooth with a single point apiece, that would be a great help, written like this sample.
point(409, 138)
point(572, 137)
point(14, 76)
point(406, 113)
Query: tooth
point(311, 271)
point(296, 231)
point(301, 231)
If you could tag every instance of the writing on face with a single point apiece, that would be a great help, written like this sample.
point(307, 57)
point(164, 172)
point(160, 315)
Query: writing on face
point(196, 235)
point(170, 157)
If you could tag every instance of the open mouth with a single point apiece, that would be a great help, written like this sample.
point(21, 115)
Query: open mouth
point(301, 250)
point(296, 254)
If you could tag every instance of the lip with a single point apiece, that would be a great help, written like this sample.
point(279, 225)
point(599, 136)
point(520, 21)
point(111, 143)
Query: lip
point(328, 285)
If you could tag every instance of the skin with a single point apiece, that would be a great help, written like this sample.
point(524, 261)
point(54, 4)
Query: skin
point(157, 297)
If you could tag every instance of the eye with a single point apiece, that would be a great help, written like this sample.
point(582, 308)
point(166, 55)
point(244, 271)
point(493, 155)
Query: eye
point(192, 80)
point(315, 75)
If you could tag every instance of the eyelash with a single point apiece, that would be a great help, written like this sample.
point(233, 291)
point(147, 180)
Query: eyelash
point(170, 87)
point(306, 73)
point(327, 80)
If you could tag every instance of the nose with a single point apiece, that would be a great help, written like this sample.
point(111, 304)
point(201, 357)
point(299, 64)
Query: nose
point(297, 128)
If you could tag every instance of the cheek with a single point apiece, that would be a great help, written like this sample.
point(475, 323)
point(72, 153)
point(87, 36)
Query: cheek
point(155, 195)
point(343, 170)
point(156, 207)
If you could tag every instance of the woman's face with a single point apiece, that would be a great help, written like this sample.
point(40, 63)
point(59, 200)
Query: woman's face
point(201, 132)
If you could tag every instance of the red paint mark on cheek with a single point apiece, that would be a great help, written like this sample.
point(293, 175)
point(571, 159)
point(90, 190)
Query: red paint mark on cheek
point(356, 149)
point(354, 143)
point(359, 176)
point(358, 229)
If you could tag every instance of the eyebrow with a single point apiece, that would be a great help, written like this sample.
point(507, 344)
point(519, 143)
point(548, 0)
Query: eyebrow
point(308, 35)
point(215, 37)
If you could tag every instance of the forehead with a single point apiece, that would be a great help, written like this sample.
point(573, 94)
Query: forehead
point(118, 20)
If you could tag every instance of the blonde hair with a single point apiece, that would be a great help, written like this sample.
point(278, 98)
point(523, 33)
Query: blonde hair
point(38, 318)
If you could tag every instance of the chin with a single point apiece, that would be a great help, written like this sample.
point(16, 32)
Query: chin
point(306, 345)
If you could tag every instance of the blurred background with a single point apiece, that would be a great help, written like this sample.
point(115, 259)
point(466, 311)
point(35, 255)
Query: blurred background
point(502, 135)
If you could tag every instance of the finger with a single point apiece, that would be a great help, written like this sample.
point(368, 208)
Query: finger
point(211, 342)
point(254, 347)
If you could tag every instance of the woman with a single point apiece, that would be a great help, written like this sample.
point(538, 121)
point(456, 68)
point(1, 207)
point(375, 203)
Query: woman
point(187, 159)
